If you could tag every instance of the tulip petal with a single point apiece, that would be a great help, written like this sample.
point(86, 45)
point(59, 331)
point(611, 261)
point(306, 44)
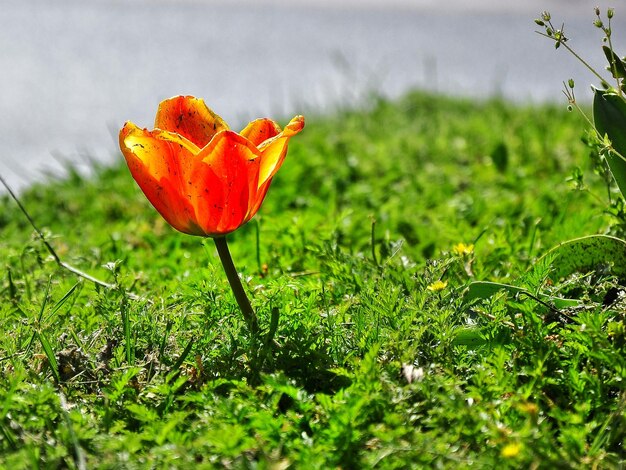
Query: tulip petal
point(229, 171)
point(273, 153)
point(207, 198)
point(201, 177)
point(260, 130)
point(161, 168)
point(189, 117)
point(273, 150)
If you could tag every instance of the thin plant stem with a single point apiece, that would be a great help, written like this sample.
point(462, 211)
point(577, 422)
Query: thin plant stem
point(54, 254)
point(236, 286)
point(579, 58)
point(373, 241)
point(607, 32)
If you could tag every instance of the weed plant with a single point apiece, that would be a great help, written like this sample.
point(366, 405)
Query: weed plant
point(376, 225)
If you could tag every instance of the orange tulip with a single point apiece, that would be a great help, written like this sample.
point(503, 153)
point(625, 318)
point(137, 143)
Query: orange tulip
point(203, 178)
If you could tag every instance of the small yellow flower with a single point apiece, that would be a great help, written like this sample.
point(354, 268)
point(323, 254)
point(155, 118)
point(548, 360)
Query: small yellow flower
point(511, 450)
point(437, 286)
point(463, 249)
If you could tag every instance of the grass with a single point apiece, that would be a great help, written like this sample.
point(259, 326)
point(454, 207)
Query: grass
point(374, 362)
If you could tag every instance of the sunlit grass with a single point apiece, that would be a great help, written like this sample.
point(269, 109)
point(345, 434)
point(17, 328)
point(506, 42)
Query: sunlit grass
point(357, 246)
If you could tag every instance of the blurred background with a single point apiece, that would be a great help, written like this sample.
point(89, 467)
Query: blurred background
point(73, 71)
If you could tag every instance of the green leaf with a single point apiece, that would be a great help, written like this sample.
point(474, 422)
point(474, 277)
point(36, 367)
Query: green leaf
point(609, 116)
point(183, 356)
point(64, 299)
point(619, 71)
point(52, 360)
point(469, 337)
point(485, 289)
point(500, 157)
point(587, 254)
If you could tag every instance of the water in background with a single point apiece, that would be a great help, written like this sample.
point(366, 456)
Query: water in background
point(71, 71)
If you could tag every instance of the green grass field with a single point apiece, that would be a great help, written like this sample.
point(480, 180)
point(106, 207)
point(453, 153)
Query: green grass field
point(374, 362)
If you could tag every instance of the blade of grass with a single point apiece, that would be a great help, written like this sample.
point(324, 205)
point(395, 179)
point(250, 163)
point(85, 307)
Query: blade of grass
point(52, 360)
point(53, 253)
point(63, 299)
point(183, 356)
point(79, 453)
point(126, 327)
point(43, 339)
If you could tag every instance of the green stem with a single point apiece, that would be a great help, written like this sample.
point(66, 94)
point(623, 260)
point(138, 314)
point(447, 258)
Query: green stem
point(579, 58)
point(53, 253)
point(582, 61)
point(235, 285)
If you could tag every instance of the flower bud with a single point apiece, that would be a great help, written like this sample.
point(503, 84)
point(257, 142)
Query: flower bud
point(609, 13)
point(570, 83)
